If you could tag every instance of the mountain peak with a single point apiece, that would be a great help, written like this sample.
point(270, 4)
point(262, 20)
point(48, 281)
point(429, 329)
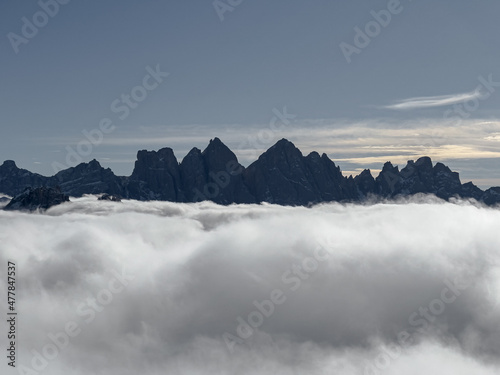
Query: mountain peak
point(283, 142)
point(313, 155)
point(216, 145)
point(217, 154)
point(216, 141)
point(387, 166)
point(9, 164)
point(195, 151)
point(424, 161)
point(440, 167)
point(143, 153)
point(94, 164)
point(91, 165)
point(285, 148)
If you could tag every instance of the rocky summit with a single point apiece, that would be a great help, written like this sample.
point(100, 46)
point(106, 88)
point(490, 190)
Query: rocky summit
point(40, 198)
point(110, 198)
point(281, 175)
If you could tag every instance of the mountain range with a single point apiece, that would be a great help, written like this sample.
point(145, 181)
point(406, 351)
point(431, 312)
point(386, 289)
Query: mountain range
point(281, 175)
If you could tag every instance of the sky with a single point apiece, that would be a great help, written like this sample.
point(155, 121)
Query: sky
point(364, 81)
point(190, 289)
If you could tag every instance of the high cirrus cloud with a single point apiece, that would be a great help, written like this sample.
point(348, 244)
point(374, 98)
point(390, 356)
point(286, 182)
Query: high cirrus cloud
point(433, 101)
point(159, 287)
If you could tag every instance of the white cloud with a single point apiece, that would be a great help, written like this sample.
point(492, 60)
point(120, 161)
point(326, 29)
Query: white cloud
point(198, 267)
point(433, 101)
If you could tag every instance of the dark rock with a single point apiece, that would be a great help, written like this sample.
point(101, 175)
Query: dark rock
point(215, 175)
point(417, 177)
point(365, 184)
point(491, 196)
point(327, 179)
point(446, 183)
point(420, 177)
point(224, 170)
point(469, 190)
point(281, 175)
point(87, 178)
point(194, 176)
point(109, 197)
point(388, 182)
point(40, 198)
point(14, 181)
point(156, 176)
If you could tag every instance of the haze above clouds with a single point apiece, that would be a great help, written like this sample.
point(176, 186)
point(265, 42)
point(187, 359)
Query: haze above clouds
point(192, 270)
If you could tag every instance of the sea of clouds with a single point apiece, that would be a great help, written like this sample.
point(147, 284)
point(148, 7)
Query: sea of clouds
point(167, 288)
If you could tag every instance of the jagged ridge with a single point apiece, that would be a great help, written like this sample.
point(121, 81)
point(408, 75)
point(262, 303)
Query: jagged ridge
point(281, 175)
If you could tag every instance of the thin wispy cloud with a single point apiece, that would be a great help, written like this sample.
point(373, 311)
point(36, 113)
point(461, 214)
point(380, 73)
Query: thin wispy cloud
point(433, 101)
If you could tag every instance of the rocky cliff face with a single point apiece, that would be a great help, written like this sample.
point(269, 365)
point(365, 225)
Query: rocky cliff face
point(214, 174)
point(422, 177)
point(364, 185)
point(40, 198)
point(281, 175)
point(14, 180)
point(87, 178)
point(491, 196)
point(327, 178)
point(156, 176)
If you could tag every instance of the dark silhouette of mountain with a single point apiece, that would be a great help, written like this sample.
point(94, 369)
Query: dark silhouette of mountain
point(87, 178)
point(422, 177)
point(14, 181)
point(156, 176)
point(281, 175)
point(214, 174)
point(40, 198)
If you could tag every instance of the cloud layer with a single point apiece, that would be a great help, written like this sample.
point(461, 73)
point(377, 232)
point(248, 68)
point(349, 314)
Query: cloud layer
point(158, 287)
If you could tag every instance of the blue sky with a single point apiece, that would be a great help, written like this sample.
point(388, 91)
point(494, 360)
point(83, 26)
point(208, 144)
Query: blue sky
point(396, 99)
